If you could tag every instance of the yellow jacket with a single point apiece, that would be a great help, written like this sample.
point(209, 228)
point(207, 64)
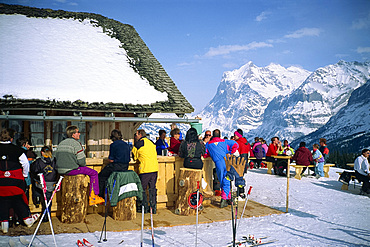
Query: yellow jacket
point(145, 151)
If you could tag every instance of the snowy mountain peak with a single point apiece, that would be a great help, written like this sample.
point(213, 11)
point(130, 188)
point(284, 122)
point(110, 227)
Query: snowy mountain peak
point(244, 93)
point(312, 104)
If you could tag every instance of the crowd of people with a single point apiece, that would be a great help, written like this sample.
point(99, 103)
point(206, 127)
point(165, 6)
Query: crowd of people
point(20, 167)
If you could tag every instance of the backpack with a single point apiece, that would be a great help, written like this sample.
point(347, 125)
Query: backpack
point(259, 151)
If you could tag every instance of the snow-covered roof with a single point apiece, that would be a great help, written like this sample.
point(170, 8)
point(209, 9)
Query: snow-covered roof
point(50, 59)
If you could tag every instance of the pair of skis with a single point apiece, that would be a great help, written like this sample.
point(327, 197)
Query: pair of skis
point(234, 218)
point(84, 243)
point(250, 240)
point(47, 204)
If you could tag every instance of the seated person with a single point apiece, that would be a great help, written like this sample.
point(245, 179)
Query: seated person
point(258, 151)
point(192, 150)
point(174, 141)
point(71, 161)
point(362, 170)
point(119, 156)
point(161, 143)
point(45, 165)
point(303, 156)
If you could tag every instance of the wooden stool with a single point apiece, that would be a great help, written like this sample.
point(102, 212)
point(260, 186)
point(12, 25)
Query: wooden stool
point(188, 179)
point(125, 209)
point(75, 198)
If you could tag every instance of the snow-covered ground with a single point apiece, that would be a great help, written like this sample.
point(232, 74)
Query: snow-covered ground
point(320, 214)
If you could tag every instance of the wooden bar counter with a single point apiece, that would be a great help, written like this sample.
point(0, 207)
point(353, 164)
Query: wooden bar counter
point(167, 182)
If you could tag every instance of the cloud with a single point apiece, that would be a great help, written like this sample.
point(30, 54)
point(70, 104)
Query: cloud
point(229, 65)
point(262, 16)
point(362, 23)
point(304, 32)
point(363, 49)
point(227, 49)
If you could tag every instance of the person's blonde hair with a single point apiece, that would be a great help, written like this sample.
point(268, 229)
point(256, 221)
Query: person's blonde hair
point(317, 146)
point(48, 153)
point(71, 130)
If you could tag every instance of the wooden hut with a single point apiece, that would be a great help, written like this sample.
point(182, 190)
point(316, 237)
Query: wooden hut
point(57, 71)
point(61, 68)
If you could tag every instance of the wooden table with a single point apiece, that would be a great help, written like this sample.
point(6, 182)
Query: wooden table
point(287, 176)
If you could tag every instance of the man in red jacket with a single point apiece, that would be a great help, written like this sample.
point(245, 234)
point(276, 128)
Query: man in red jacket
point(244, 146)
point(303, 156)
point(273, 149)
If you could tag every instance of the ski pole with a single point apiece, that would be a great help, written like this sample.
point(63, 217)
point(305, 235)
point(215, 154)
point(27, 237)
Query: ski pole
point(106, 212)
point(196, 224)
point(44, 189)
point(43, 215)
point(236, 209)
point(151, 222)
point(142, 225)
point(232, 213)
point(245, 204)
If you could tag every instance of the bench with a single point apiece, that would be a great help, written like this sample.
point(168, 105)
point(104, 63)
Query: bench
point(298, 170)
point(345, 186)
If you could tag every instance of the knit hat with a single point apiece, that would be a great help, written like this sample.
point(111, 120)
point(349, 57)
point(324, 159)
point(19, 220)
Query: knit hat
point(236, 133)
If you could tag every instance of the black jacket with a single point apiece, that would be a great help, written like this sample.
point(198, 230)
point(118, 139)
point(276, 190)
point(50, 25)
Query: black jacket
point(192, 154)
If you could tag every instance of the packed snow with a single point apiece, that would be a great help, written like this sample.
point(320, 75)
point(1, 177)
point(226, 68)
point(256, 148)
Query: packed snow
point(69, 60)
point(320, 214)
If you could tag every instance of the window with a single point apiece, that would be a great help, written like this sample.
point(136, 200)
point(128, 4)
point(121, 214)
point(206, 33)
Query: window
point(59, 131)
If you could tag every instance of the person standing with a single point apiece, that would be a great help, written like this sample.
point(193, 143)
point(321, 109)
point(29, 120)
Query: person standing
point(324, 149)
point(23, 142)
point(119, 158)
point(217, 148)
point(244, 146)
point(362, 172)
point(14, 167)
point(71, 161)
point(273, 149)
point(144, 151)
point(319, 161)
point(175, 141)
point(161, 143)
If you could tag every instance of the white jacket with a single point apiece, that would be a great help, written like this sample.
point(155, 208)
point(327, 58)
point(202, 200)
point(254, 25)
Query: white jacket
point(362, 165)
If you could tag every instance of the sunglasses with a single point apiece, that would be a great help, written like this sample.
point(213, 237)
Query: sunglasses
point(207, 135)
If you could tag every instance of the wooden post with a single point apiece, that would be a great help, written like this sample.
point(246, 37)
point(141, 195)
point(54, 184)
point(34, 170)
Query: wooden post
point(287, 186)
point(125, 209)
point(75, 198)
point(188, 179)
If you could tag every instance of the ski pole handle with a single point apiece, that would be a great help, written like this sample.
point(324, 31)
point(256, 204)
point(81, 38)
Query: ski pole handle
point(42, 181)
point(197, 185)
point(249, 191)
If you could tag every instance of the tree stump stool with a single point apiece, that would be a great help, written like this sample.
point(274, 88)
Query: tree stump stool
point(125, 209)
point(75, 198)
point(188, 179)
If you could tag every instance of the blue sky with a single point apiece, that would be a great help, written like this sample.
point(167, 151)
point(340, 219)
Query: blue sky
point(197, 40)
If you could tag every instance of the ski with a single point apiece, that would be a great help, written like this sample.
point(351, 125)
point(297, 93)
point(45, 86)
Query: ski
point(24, 241)
point(250, 240)
point(247, 244)
point(80, 244)
point(87, 243)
